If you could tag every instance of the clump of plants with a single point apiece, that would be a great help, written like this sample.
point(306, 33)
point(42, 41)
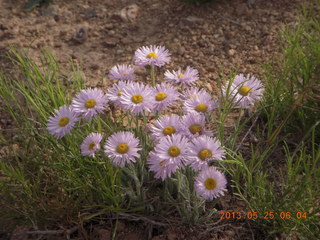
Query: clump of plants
point(150, 145)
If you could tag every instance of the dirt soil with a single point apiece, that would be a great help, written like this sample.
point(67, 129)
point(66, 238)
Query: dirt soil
point(215, 38)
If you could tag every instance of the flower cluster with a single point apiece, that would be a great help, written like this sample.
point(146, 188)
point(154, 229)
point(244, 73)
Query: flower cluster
point(181, 139)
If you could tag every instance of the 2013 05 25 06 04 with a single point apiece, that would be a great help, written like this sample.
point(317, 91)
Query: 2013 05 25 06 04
point(265, 215)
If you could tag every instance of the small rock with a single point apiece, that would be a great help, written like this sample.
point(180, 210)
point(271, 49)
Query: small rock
point(129, 13)
point(231, 52)
point(90, 13)
point(51, 22)
point(247, 28)
point(201, 43)
point(111, 32)
point(49, 10)
point(116, 16)
point(81, 35)
point(230, 233)
point(126, 40)
point(191, 20)
point(110, 42)
point(119, 52)
point(181, 50)
point(109, 26)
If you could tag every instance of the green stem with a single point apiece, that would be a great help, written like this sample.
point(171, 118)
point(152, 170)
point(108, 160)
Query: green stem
point(152, 76)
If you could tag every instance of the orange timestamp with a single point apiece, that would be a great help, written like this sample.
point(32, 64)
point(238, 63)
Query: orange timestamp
point(264, 215)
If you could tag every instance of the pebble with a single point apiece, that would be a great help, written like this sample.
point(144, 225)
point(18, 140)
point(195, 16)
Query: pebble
point(110, 42)
point(231, 52)
point(181, 50)
point(81, 35)
point(109, 26)
point(129, 13)
point(191, 20)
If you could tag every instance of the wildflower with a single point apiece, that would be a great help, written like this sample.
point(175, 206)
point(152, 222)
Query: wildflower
point(91, 144)
point(137, 97)
point(161, 168)
point(193, 125)
point(174, 149)
point(115, 92)
point(62, 122)
point(122, 148)
point(210, 184)
point(122, 72)
point(187, 77)
point(244, 91)
point(152, 55)
point(166, 125)
point(202, 149)
point(89, 102)
point(165, 95)
point(200, 104)
point(194, 92)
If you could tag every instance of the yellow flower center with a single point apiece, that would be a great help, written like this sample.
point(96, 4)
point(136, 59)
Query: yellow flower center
point(174, 151)
point(152, 55)
point(195, 128)
point(162, 162)
point(124, 74)
point(90, 103)
point(122, 148)
point(180, 75)
point(210, 184)
point(91, 146)
point(161, 96)
point(169, 130)
point(63, 121)
point(137, 98)
point(201, 108)
point(205, 154)
point(244, 91)
point(120, 93)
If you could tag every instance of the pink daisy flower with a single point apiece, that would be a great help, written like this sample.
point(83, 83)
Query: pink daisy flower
point(89, 102)
point(165, 96)
point(137, 97)
point(114, 93)
point(166, 125)
point(244, 91)
point(202, 104)
point(122, 72)
point(174, 149)
point(91, 144)
point(183, 78)
point(210, 184)
point(202, 149)
point(62, 122)
point(193, 92)
point(152, 55)
point(193, 125)
point(122, 148)
point(161, 168)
